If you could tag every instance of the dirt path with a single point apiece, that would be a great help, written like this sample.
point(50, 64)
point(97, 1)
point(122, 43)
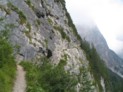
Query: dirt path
point(20, 82)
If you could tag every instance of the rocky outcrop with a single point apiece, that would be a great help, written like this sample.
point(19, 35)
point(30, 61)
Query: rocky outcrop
point(41, 28)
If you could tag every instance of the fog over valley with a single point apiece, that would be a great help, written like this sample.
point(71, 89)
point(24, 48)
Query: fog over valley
point(107, 15)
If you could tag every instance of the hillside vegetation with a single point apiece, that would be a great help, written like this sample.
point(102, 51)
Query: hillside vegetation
point(46, 78)
point(7, 64)
point(113, 82)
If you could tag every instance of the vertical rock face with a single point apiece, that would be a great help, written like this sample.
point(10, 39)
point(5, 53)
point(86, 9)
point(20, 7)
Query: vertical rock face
point(93, 36)
point(41, 28)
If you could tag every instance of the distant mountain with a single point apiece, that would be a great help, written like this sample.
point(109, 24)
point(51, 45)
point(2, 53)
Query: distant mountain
point(120, 53)
point(93, 36)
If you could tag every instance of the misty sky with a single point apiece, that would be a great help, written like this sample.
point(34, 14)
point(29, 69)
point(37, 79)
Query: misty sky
point(106, 14)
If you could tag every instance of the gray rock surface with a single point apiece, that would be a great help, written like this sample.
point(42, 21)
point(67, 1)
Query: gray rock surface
point(43, 24)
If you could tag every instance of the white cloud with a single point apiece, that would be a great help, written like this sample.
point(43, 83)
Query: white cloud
point(107, 14)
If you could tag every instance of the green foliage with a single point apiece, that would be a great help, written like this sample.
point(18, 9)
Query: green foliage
point(1, 19)
point(98, 68)
point(32, 77)
point(113, 83)
point(116, 82)
point(50, 21)
point(63, 34)
point(5, 54)
point(22, 17)
point(10, 26)
point(28, 2)
point(7, 64)
point(28, 26)
point(12, 7)
point(84, 80)
point(46, 78)
point(19, 12)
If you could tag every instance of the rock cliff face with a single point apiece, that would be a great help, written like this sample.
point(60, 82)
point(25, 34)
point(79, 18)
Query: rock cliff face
point(42, 28)
point(93, 36)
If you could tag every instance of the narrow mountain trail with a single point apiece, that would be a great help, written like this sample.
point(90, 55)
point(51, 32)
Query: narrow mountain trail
point(20, 82)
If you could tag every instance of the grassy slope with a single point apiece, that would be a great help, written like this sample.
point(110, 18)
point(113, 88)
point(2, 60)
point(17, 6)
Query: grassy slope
point(7, 66)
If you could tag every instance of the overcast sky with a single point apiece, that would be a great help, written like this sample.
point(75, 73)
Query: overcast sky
point(106, 14)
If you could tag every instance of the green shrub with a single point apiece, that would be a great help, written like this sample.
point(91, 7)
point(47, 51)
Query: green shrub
point(7, 66)
point(28, 2)
point(84, 80)
point(22, 17)
point(97, 66)
point(46, 78)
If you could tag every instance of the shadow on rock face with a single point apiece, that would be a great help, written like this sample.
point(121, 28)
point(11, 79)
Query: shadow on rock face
point(39, 14)
point(49, 53)
point(46, 52)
